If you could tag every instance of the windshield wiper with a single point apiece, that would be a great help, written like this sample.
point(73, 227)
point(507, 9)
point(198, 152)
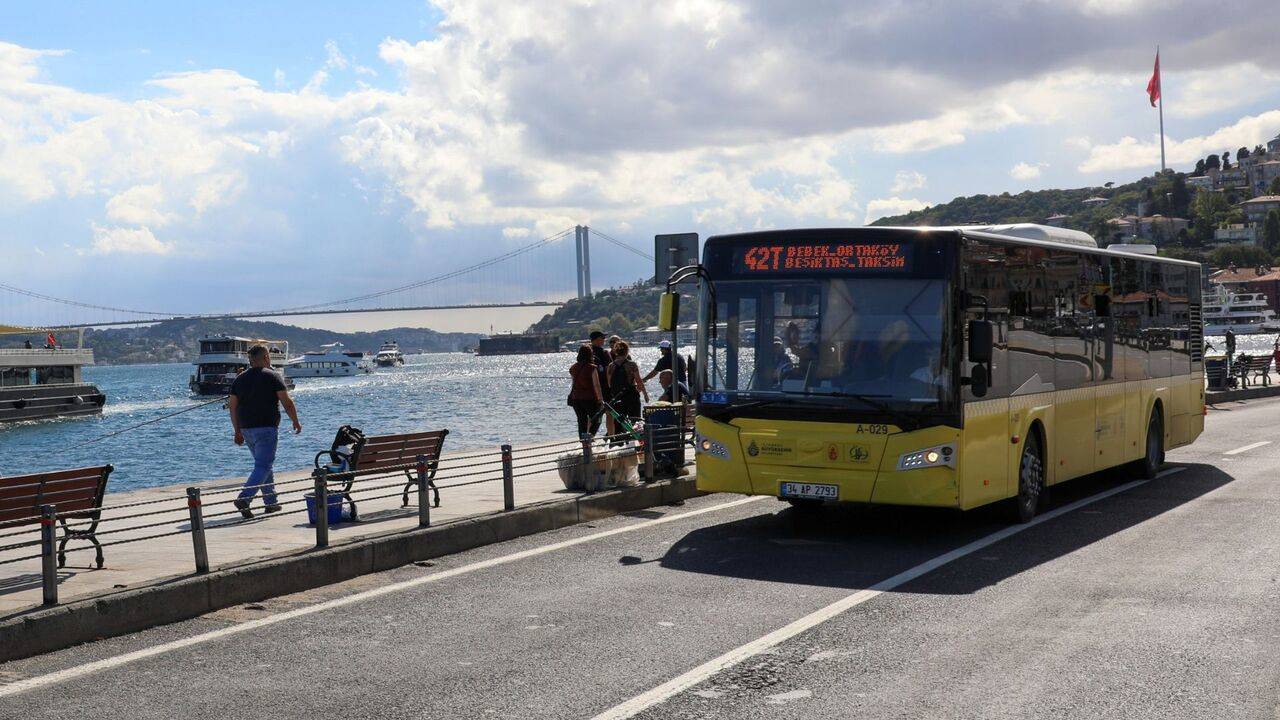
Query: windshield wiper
point(903, 421)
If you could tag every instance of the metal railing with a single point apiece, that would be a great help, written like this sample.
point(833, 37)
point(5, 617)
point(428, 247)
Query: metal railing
point(197, 510)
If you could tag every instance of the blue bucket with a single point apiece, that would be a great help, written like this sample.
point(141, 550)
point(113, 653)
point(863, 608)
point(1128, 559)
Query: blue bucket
point(335, 508)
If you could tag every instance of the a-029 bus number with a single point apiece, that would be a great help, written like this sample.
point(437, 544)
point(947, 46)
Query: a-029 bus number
point(873, 430)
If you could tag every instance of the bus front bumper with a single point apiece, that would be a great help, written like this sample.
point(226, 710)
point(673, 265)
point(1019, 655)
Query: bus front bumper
point(864, 462)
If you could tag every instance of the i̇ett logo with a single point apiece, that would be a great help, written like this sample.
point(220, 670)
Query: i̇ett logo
point(752, 450)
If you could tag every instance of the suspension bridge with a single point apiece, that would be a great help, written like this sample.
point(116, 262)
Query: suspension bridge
point(531, 275)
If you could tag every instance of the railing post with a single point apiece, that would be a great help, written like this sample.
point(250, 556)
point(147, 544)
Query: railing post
point(508, 480)
point(322, 507)
point(586, 462)
point(424, 499)
point(197, 530)
point(650, 457)
point(48, 531)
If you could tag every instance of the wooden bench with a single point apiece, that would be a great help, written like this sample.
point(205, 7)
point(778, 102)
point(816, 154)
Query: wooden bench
point(376, 452)
point(74, 494)
point(1247, 366)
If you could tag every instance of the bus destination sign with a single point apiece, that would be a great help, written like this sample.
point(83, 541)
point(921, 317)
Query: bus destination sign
point(824, 258)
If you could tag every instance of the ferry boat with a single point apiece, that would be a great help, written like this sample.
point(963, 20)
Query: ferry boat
point(38, 383)
point(1242, 313)
point(332, 360)
point(389, 355)
point(222, 357)
point(518, 344)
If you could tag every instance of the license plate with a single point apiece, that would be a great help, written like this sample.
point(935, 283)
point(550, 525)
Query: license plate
point(809, 490)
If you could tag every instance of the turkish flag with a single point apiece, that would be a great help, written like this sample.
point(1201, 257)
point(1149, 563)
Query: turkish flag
point(1153, 87)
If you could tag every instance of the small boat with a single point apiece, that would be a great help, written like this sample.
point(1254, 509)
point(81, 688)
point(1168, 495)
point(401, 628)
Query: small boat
point(38, 383)
point(223, 357)
point(332, 360)
point(1242, 313)
point(389, 355)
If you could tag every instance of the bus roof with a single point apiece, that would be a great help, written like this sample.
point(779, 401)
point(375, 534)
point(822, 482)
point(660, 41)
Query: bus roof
point(1023, 233)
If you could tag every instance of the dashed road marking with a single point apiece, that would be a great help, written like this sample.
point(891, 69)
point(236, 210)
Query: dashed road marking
point(1247, 448)
point(680, 683)
point(23, 685)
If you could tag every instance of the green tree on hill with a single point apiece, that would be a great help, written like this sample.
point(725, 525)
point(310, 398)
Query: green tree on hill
point(1239, 255)
point(1274, 187)
point(1271, 232)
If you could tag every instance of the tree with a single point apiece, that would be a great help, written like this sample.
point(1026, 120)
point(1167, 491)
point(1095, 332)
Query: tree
point(1240, 256)
point(1271, 231)
point(1179, 197)
point(1208, 210)
point(1199, 168)
point(1259, 150)
point(1241, 154)
point(1212, 163)
point(1226, 161)
point(1274, 187)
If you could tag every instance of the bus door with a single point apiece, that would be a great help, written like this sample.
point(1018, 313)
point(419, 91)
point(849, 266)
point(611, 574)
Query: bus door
point(1112, 357)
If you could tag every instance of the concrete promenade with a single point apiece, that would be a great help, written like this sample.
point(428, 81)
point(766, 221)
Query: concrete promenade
point(233, 540)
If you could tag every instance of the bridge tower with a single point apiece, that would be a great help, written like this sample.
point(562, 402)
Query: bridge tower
point(582, 236)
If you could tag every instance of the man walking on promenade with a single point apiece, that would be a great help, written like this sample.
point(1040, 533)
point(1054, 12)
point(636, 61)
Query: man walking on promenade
point(256, 396)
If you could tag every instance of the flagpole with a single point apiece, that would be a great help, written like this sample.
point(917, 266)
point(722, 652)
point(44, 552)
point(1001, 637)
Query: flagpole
point(1161, 101)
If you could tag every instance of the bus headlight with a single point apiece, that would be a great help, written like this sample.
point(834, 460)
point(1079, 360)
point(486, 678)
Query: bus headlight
point(707, 446)
point(929, 457)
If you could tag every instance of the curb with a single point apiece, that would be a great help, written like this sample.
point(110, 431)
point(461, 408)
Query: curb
point(1250, 393)
point(183, 597)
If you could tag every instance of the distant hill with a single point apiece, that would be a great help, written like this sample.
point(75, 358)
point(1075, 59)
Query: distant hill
point(1035, 206)
point(178, 340)
point(616, 310)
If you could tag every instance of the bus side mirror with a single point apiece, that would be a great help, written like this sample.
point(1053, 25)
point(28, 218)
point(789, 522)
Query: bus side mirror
point(978, 381)
point(981, 341)
point(668, 311)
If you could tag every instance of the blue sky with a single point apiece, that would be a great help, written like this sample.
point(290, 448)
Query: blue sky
point(198, 157)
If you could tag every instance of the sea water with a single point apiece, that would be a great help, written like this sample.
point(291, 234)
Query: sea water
point(483, 401)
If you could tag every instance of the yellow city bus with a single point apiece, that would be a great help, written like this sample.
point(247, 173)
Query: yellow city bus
point(950, 367)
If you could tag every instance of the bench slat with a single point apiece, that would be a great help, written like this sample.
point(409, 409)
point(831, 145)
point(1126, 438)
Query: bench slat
point(74, 493)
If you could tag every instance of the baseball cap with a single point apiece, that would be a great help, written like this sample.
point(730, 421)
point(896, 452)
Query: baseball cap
point(665, 344)
point(596, 334)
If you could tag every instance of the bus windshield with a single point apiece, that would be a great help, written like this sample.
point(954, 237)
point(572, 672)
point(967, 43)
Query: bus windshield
point(879, 340)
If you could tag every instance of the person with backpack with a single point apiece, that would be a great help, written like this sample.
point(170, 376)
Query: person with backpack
point(625, 383)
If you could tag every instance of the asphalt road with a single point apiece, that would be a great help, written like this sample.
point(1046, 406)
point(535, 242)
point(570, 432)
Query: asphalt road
point(1155, 600)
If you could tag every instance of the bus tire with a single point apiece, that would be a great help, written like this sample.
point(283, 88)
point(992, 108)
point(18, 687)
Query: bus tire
point(1151, 463)
point(1030, 480)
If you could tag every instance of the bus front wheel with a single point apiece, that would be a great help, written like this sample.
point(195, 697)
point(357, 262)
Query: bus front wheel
point(1030, 480)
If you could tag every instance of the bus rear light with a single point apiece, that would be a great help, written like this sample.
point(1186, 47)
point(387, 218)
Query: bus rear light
point(940, 455)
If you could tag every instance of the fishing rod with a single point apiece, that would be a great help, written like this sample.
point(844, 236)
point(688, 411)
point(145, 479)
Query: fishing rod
point(197, 406)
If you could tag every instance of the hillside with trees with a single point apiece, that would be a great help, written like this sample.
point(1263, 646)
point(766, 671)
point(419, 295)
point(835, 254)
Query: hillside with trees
point(616, 310)
point(179, 340)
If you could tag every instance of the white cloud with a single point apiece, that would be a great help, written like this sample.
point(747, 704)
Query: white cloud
point(906, 180)
point(1026, 171)
point(1129, 152)
point(1204, 92)
point(334, 59)
point(895, 205)
point(516, 232)
point(139, 205)
point(138, 241)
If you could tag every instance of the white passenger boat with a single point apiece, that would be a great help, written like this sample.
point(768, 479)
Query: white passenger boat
point(222, 357)
point(1242, 313)
point(332, 360)
point(389, 355)
point(46, 382)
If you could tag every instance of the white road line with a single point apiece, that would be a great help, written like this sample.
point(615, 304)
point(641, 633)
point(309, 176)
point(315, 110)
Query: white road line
point(1247, 448)
point(118, 660)
point(665, 691)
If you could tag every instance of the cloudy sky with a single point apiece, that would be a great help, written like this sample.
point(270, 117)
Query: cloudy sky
point(228, 155)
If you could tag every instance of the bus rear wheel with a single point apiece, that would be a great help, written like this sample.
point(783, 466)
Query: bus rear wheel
point(1151, 463)
point(1030, 480)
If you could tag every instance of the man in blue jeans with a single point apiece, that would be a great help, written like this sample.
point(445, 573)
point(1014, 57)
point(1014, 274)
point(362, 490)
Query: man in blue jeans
point(256, 397)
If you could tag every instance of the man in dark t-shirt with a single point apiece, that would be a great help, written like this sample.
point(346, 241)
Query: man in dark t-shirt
point(256, 397)
point(665, 363)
